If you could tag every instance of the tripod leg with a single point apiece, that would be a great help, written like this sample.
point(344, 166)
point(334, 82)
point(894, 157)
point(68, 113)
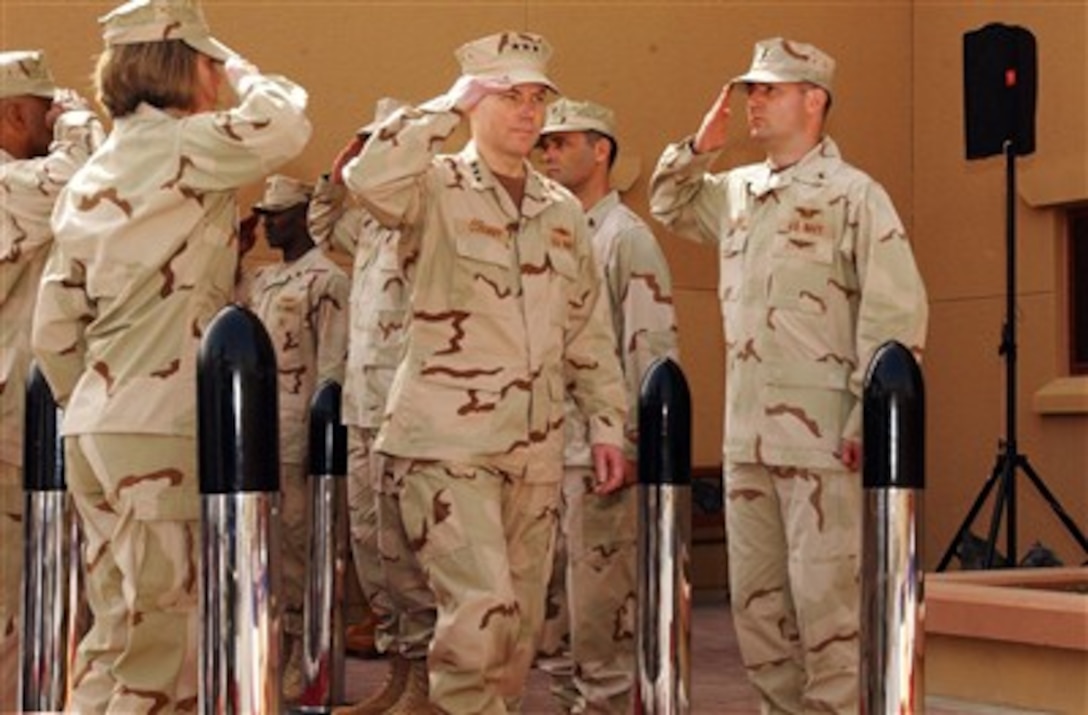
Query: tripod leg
point(1070, 525)
point(971, 514)
point(1001, 502)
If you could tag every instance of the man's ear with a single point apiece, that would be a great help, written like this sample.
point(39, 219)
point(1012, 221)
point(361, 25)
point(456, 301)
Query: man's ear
point(601, 149)
point(816, 100)
point(11, 113)
point(13, 126)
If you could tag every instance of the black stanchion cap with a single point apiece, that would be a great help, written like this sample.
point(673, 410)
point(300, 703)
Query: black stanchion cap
point(894, 423)
point(237, 406)
point(664, 426)
point(43, 457)
point(328, 436)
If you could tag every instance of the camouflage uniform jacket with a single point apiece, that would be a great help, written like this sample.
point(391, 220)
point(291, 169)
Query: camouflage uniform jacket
point(303, 305)
point(639, 289)
point(505, 302)
point(145, 256)
point(816, 273)
point(28, 190)
point(379, 300)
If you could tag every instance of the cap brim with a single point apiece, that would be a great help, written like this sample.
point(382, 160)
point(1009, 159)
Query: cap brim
point(763, 77)
point(37, 89)
point(528, 76)
point(577, 127)
point(279, 208)
point(211, 47)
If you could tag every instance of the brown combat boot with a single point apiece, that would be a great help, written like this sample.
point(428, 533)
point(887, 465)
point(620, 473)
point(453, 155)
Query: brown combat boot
point(359, 637)
point(415, 700)
point(396, 680)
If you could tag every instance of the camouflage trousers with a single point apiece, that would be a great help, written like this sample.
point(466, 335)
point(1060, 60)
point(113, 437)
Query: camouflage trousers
point(294, 543)
point(11, 568)
point(138, 503)
point(388, 571)
point(406, 584)
point(588, 640)
point(484, 535)
point(794, 539)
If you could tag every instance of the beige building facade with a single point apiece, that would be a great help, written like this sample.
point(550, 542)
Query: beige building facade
point(898, 114)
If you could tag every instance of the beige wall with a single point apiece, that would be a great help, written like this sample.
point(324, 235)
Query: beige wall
point(897, 115)
point(959, 232)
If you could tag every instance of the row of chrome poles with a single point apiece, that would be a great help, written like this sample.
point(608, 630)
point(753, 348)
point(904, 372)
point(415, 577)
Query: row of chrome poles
point(239, 483)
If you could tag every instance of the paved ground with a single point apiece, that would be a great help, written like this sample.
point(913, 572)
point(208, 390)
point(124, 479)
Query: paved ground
point(718, 684)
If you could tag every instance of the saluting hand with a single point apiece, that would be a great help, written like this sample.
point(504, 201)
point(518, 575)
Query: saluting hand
point(238, 68)
point(349, 152)
point(712, 132)
point(608, 464)
point(468, 90)
point(65, 100)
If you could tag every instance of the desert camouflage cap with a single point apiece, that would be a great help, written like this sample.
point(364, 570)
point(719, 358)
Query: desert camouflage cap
point(781, 60)
point(515, 57)
point(160, 20)
point(384, 109)
point(25, 72)
point(571, 115)
point(283, 192)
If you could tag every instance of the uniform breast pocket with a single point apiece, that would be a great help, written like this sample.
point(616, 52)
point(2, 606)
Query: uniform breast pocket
point(804, 266)
point(562, 282)
point(484, 276)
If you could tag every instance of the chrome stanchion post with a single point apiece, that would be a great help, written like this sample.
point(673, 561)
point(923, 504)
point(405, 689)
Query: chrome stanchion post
point(664, 580)
point(891, 672)
point(51, 577)
point(238, 436)
point(326, 565)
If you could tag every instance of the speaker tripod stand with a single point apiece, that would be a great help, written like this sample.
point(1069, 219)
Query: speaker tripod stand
point(1009, 458)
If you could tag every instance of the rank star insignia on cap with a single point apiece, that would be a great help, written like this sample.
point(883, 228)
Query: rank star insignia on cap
point(162, 20)
point(281, 193)
point(569, 115)
point(514, 57)
point(24, 72)
point(780, 60)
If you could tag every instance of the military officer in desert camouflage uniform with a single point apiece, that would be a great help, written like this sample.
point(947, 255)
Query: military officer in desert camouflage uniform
point(387, 568)
point(816, 273)
point(144, 256)
point(593, 587)
point(506, 305)
point(303, 303)
point(45, 135)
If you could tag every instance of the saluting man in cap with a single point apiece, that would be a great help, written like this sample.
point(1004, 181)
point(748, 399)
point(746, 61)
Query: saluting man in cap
point(594, 586)
point(507, 312)
point(816, 273)
point(45, 135)
point(144, 257)
point(303, 303)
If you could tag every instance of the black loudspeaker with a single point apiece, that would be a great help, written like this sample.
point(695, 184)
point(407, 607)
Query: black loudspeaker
point(999, 90)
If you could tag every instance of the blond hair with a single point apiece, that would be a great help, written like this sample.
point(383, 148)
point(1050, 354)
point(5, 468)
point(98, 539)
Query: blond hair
point(162, 74)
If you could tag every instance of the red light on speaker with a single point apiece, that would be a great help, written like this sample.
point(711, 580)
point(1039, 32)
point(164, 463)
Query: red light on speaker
point(1010, 77)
